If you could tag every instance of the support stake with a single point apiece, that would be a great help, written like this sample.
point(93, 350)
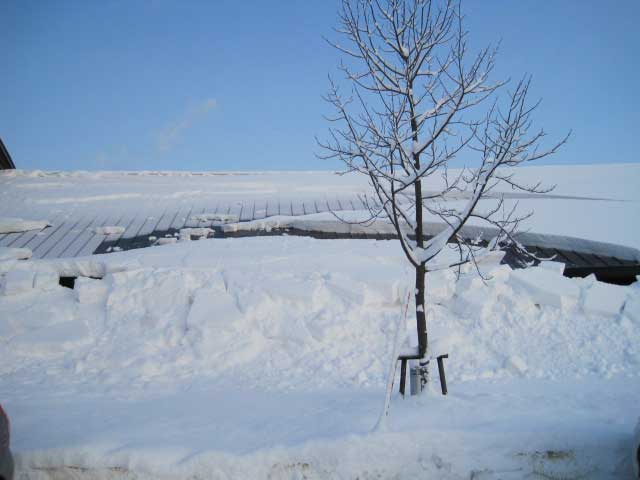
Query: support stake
point(443, 379)
point(403, 375)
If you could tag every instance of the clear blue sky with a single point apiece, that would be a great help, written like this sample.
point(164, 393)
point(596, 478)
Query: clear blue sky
point(236, 85)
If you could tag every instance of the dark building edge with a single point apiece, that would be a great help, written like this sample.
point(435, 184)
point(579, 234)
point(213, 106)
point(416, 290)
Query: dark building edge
point(6, 163)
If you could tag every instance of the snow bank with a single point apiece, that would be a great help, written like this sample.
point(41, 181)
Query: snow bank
point(195, 359)
point(317, 313)
point(16, 225)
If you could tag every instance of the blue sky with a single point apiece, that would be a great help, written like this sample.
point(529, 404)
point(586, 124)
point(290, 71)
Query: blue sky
point(227, 85)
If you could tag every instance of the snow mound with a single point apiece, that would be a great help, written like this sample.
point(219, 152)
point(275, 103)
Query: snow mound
point(154, 321)
point(17, 225)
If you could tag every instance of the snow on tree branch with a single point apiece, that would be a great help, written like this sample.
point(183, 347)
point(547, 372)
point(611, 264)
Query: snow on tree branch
point(413, 100)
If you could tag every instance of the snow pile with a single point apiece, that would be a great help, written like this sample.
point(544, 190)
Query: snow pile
point(17, 225)
point(309, 316)
point(195, 359)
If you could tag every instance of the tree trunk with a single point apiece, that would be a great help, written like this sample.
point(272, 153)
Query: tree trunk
point(421, 320)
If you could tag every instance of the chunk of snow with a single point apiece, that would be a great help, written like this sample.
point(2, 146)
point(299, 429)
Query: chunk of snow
point(440, 286)
point(90, 290)
point(500, 273)
point(109, 230)
point(266, 224)
point(187, 234)
point(166, 241)
point(215, 217)
point(604, 299)
point(546, 287)
point(88, 267)
point(492, 258)
point(46, 280)
point(488, 264)
point(16, 225)
point(232, 227)
point(557, 267)
point(8, 253)
point(17, 281)
point(470, 297)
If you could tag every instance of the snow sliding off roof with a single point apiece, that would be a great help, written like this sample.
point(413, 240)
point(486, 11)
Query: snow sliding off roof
point(90, 212)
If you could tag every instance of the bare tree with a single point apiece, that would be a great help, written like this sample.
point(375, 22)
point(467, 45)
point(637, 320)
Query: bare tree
point(408, 114)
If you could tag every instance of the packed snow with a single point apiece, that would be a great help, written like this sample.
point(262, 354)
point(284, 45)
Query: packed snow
point(267, 358)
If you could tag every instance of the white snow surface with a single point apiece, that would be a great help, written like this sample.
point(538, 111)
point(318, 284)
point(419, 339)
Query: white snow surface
point(267, 358)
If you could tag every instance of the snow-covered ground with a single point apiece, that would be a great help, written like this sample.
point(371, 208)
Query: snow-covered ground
point(266, 358)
